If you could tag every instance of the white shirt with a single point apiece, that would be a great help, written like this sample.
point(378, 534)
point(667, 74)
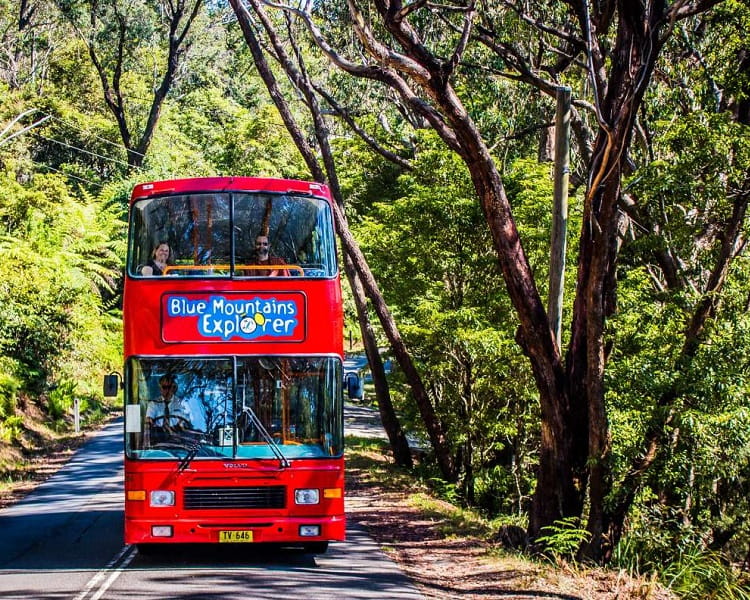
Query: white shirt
point(177, 408)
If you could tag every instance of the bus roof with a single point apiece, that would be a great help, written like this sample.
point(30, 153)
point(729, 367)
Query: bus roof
point(227, 184)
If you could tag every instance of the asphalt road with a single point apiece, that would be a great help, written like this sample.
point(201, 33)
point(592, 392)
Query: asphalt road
point(65, 541)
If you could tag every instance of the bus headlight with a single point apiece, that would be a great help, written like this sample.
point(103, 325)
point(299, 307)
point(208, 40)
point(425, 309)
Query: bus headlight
point(161, 531)
point(306, 496)
point(162, 498)
point(309, 530)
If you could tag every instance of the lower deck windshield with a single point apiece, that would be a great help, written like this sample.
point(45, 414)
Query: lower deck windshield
point(234, 407)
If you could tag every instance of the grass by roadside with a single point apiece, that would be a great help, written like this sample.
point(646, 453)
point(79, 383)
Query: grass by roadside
point(22, 471)
point(36, 451)
point(451, 552)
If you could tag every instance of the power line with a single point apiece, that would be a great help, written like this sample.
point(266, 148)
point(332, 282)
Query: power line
point(54, 141)
point(46, 117)
point(84, 131)
point(46, 166)
point(7, 138)
point(99, 185)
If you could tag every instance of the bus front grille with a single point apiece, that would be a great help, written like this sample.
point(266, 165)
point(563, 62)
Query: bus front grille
point(198, 498)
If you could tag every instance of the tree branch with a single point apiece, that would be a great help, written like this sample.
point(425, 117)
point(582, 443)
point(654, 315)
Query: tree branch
point(377, 73)
point(368, 139)
point(455, 59)
point(682, 9)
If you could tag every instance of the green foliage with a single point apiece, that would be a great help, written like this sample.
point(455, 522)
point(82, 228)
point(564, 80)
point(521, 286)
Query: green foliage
point(60, 265)
point(702, 473)
point(209, 133)
point(9, 387)
point(60, 399)
point(10, 422)
point(430, 249)
point(661, 546)
point(447, 491)
point(11, 428)
point(564, 538)
point(689, 185)
point(698, 574)
point(529, 186)
point(503, 489)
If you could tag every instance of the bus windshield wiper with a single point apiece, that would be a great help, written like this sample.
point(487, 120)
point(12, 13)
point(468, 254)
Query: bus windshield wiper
point(192, 450)
point(283, 462)
point(190, 445)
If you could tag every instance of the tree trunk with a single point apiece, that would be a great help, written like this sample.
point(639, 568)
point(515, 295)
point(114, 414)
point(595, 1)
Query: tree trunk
point(433, 425)
point(632, 61)
point(396, 435)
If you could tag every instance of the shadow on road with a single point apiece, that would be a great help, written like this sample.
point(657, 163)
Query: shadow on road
point(196, 556)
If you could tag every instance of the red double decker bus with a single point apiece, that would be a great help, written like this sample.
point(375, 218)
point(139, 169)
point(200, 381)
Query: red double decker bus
point(233, 340)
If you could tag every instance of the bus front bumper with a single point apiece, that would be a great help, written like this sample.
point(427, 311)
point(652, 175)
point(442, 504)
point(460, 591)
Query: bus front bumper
point(287, 530)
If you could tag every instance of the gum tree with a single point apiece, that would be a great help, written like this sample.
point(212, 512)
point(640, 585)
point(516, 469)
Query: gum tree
point(421, 51)
point(114, 34)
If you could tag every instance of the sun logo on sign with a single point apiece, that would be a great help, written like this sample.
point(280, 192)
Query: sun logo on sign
point(250, 324)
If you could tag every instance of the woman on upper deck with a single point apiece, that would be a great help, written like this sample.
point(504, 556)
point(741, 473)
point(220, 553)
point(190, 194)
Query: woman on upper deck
point(158, 261)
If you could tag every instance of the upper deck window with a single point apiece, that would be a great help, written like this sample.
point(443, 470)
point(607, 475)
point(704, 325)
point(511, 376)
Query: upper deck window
point(231, 235)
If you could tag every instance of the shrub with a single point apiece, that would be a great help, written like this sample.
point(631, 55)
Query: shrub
point(658, 543)
point(564, 538)
point(9, 387)
point(698, 573)
point(11, 428)
point(60, 399)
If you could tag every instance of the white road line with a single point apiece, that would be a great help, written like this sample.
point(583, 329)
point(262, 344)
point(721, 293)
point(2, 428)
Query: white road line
point(115, 574)
point(114, 567)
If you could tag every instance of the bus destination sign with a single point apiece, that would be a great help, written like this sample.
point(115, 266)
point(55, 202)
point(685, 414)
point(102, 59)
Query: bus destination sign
point(233, 317)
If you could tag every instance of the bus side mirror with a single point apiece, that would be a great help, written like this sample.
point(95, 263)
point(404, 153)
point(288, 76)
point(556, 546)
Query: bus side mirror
point(354, 388)
point(111, 385)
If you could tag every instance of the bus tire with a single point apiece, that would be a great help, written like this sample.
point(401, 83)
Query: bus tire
point(316, 547)
point(148, 549)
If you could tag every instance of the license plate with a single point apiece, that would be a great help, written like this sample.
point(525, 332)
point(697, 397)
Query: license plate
point(236, 536)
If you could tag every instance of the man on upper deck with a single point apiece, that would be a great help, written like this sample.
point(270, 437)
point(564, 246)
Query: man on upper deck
point(263, 257)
